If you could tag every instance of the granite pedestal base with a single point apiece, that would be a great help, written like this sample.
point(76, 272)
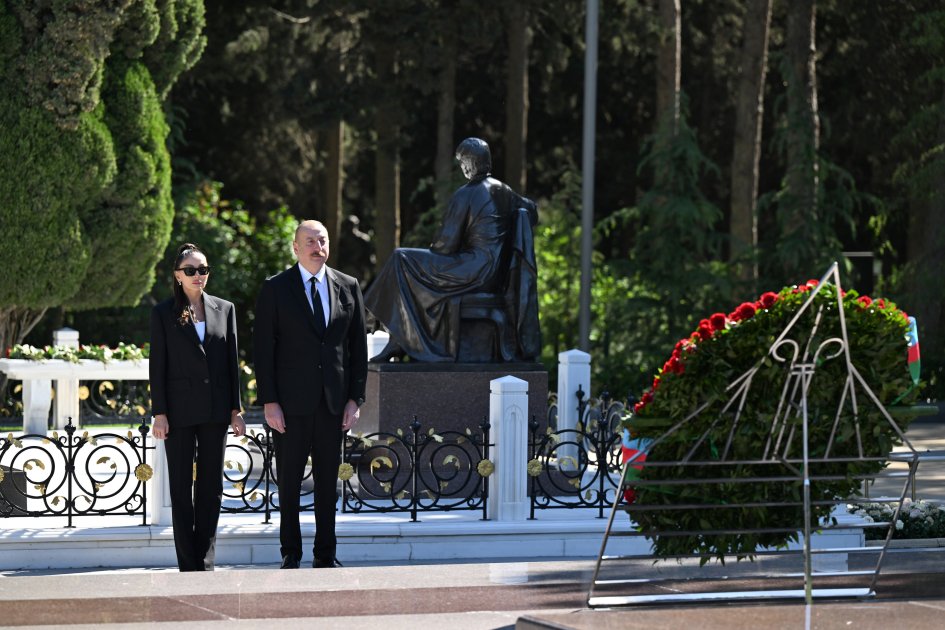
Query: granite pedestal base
point(443, 396)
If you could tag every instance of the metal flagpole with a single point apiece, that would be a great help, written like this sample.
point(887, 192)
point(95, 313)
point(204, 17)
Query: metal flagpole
point(587, 173)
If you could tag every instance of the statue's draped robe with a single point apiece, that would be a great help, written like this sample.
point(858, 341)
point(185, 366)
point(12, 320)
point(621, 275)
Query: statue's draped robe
point(417, 293)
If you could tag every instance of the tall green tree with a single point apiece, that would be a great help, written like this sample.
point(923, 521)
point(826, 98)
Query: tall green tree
point(746, 154)
point(85, 178)
point(922, 177)
point(799, 207)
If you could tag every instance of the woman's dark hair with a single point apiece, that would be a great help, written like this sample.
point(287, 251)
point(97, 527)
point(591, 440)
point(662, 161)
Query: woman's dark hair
point(181, 303)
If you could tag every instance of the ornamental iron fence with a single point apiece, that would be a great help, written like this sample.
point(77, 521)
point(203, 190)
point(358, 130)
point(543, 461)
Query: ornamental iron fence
point(113, 401)
point(577, 467)
point(74, 474)
point(416, 471)
point(409, 471)
point(104, 473)
point(403, 472)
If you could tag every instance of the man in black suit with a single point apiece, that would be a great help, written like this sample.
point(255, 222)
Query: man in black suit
point(311, 370)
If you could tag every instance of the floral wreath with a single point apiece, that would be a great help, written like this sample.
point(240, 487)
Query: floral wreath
point(702, 366)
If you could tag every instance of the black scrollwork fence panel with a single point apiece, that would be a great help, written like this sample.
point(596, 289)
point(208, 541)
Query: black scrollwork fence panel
point(113, 401)
point(79, 473)
point(416, 471)
point(579, 467)
point(74, 474)
point(250, 474)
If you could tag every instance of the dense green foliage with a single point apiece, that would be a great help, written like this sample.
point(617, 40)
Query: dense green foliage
point(723, 349)
point(79, 107)
point(242, 249)
point(86, 185)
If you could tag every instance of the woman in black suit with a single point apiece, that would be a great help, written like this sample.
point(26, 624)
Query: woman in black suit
point(195, 398)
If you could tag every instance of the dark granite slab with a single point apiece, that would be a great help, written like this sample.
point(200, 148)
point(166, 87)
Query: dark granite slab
point(443, 396)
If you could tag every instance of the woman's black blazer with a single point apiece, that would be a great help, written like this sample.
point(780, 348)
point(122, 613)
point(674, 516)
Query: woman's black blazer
point(194, 382)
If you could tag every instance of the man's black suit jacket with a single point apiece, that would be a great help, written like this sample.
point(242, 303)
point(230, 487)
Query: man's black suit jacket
point(295, 366)
point(193, 382)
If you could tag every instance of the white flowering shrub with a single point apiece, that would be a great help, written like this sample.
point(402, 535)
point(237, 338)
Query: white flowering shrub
point(917, 519)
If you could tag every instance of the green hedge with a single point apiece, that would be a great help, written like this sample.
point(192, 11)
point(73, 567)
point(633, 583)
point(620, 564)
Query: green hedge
point(85, 187)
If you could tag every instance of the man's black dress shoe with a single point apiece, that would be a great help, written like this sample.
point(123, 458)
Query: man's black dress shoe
point(330, 563)
point(290, 562)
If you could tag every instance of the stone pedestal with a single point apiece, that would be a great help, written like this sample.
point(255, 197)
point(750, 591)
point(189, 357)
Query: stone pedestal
point(443, 396)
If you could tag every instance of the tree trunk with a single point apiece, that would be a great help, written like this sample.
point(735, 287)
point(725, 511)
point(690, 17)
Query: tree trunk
point(926, 254)
point(516, 95)
point(387, 163)
point(334, 178)
point(803, 129)
point(445, 143)
point(668, 63)
point(15, 323)
point(747, 143)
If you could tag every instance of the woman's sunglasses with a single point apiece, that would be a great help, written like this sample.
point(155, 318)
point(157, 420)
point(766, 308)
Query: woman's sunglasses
point(191, 271)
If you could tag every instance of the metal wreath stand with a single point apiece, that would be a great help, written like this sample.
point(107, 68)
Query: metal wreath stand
point(800, 365)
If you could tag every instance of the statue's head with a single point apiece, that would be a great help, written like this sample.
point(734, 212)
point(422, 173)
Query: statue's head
point(474, 158)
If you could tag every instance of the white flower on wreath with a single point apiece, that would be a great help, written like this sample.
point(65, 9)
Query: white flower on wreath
point(867, 518)
point(899, 525)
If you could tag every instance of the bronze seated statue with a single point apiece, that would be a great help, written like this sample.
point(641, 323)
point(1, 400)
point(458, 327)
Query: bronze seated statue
point(471, 297)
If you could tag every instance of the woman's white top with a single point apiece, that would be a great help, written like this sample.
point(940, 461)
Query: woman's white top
point(201, 329)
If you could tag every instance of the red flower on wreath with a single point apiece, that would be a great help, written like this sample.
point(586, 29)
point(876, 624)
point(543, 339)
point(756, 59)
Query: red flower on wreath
point(718, 321)
point(767, 299)
point(705, 329)
point(746, 310)
point(865, 301)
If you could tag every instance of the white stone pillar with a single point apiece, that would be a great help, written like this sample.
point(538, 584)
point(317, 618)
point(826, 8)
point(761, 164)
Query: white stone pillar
point(574, 371)
point(376, 341)
point(66, 403)
point(508, 417)
point(851, 537)
point(36, 400)
point(159, 492)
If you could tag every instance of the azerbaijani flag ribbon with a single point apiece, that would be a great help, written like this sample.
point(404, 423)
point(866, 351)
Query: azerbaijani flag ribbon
point(915, 361)
point(631, 447)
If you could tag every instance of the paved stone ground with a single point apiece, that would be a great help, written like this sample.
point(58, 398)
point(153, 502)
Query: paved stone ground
point(925, 434)
point(472, 596)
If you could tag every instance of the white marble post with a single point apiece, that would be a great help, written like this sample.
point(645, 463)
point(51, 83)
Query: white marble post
point(376, 341)
point(66, 402)
point(508, 417)
point(852, 536)
point(36, 401)
point(159, 492)
point(574, 371)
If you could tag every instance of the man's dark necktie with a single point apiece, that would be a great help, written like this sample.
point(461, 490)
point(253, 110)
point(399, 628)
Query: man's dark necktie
point(317, 307)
